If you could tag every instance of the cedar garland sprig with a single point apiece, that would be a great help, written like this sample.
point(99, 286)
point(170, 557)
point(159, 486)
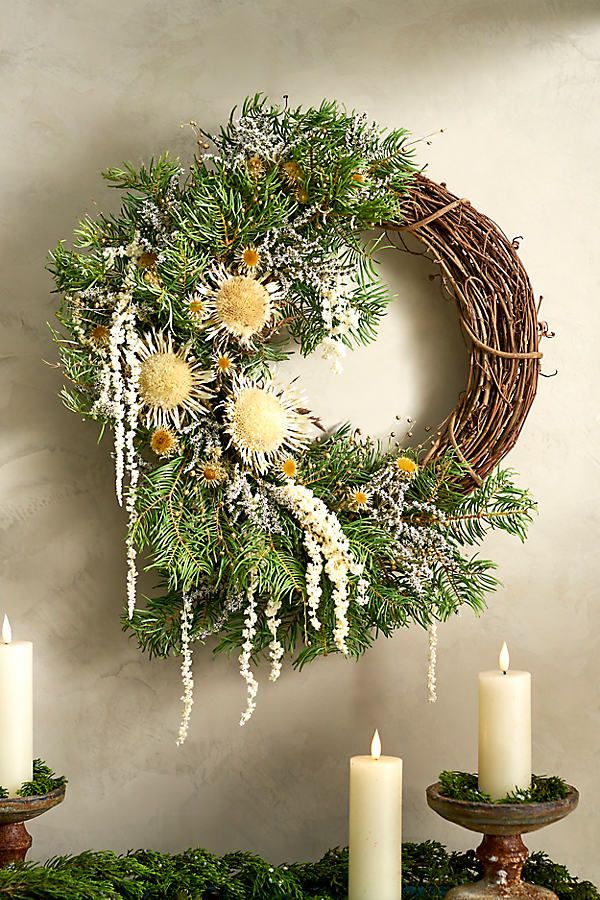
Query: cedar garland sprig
point(44, 781)
point(428, 868)
point(465, 786)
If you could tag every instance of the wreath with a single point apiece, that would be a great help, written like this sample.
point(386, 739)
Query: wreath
point(262, 527)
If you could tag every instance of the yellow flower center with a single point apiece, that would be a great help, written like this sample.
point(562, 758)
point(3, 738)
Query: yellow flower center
point(289, 468)
point(197, 307)
point(360, 498)
point(210, 473)
point(251, 257)
point(243, 305)
point(224, 363)
point(166, 381)
point(358, 177)
point(162, 441)
point(259, 420)
point(406, 464)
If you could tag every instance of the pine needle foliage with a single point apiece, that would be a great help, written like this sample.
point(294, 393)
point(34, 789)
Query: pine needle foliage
point(428, 869)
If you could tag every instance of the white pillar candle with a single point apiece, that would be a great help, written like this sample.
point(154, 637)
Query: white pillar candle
point(375, 863)
point(504, 729)
point(16, 710)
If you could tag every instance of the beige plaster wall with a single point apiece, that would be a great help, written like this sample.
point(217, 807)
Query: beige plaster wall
point(516, 87)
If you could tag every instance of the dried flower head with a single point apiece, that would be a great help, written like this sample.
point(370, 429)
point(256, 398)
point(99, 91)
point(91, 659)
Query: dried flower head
point(146, 260)
point(100, 335)
point(164, 441)
point(292, 172)
point(264, 422)
point(256, 166)
point(289, 467)
point(406, 464)
point(359, 499)
point(171, 383)
point(240, 306)
point(249, 258)
point(224, 364)
point(211, 473)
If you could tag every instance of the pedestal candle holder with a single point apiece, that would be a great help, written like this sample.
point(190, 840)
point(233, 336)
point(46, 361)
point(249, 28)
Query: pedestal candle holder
point(502, 853)
point(15, 840)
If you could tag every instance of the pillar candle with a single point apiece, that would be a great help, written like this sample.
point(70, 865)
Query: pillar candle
point(375, 862)
point(16, 710)
point(504, 729)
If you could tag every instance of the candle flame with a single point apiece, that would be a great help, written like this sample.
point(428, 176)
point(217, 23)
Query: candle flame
point(6, 631)
point(504, 660)
point(376, 746)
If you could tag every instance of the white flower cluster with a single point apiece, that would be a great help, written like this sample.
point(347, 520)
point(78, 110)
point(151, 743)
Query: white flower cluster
point(254, 134)
point(432, 631)
point(187, 676)
point(340, 319)
point(276, 650)
point(326, 533)
point(248, 633)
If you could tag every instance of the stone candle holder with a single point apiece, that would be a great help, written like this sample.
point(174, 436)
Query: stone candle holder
point(502, 852)
point(15, 840)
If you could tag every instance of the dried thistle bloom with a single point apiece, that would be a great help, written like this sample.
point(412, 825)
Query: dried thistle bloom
point(256, 166)
point(100, 335)
point(263, 422)
point(292, 171)
point(171, 383)
point(240, 306)
point(211, 473)
point(249, 258)
point(164, 441)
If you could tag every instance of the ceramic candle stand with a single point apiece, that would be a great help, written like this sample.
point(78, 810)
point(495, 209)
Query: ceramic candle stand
point(502, 853)
point(15, 840)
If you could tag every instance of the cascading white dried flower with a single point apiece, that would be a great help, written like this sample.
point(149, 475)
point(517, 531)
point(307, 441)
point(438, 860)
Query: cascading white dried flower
point(432, 632)
point(187, 677)
point(245, 658)
point(314, 570)
point(116, 341)
point(324, 526)
point(132, 364)
point(276, 650)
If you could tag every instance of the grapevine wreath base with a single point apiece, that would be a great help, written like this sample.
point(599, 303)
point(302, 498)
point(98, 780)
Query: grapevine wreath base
point(263, 528)
point(428, 871)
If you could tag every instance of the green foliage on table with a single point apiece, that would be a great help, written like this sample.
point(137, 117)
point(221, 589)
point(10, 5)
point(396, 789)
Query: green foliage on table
point(465, 786)
point(44, 781)
point(429, 871)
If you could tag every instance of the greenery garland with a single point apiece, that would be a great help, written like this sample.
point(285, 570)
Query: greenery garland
point(175, 312)
point(43, 782)
point(465, 786)
point(429, 870)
